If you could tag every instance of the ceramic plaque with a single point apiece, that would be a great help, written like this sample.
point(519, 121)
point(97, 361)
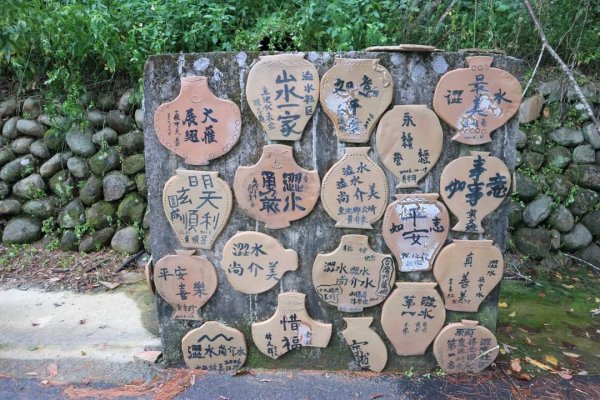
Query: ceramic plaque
point(412, 316)
point(197, 205)
point(214, 347)
point(467, 271)
point(465, 347)
point(367, 348)
point(409, 142)
point(290, 328)
point(477, 100)
point(353, 276)
point(415, 228)
point(354, 94)
point(198, 125)
point(282, 91)
point(472, 187)
point(254, 262)
point(276, 190)
point(355, 190)
point(186, 282)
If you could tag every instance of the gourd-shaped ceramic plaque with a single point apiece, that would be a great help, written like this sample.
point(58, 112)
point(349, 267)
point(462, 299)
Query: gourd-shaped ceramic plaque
point(276, 190)
point(254, 262)
point(367, 348)
point(198, 125)
point(197, 205)
point(415, 228)
point(354, 94)
point(472, 187)
point(214, 347)
point(355, 190)
point(186, 282)
point(290, 328)
point(465, 347)
point(409, 142)
point(467, 271)
point(477, 100)
point(412, 316)
point(353, 276)
point(282, 91)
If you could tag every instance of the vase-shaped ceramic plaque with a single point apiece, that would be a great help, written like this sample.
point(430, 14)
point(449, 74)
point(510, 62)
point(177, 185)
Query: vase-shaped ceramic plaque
point(354, 94)
point(412, 316)
point(282, 91)
point(290, 328)
point(467, 271)
point(254, 262)
point(477, 100)
point(409, 142)
point(355, 190)
point(472, 187)
point(367, 348)
point(197, 205)
point(198, 125)
point(186, 282)
point(276, 190)
point(415, 228)
point(214, 347)
point(353, 276)
point(465, 347)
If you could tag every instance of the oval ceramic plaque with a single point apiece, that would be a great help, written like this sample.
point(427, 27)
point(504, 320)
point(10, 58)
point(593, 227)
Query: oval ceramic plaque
point(282, 91)
point(276, 190)
point(355, 190)
point(409, 142)
point(353, 276)
point(254, 262)
point(472, 187)
point(477, 100)
point(354, 94)
point(198, 125)
point(367, 348)
point(197, 205)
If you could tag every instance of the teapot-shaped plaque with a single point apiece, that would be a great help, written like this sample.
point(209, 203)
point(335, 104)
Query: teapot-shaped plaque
point(282, 91)
point(367, 348)
point(472, 187)
point(198, 125)
point(467, 271)
point(355, 190)
point(409, 142)
point(415, 227)
point(353, 276)
point(477, 100)
point(186, 282)
point(197, 205)
point(354, 94)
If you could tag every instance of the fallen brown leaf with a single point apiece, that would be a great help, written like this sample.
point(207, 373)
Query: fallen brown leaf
point(515, 365)
point(572, 355)
point(525, 377)
point(565, 374)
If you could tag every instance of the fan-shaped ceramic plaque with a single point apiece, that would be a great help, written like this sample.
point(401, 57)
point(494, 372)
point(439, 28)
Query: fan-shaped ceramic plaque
point(472, 187)
point(186, 282)
point(367, 348)
point(290, 328)
point(477, 100)
point(354, 94)
point(214, 347)
point(355, 190)
point(353, 276)
point(467, 271)
point(415, 228)
point(276, 190)
point(198, 125)
point(412, 316)
point(254, 262)
point(409, 142)
point(282, 91)
point(465, 347)
point(197, 205)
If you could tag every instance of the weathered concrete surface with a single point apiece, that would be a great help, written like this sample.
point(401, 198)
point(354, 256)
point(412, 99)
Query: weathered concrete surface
point(415, 76)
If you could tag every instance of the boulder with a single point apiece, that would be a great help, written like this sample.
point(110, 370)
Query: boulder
point(100, 215)
point(126, 103)
point(80, 143)
point(78, 167)
point(584, 201)
point(592, 222)
point(132, 142)
point(18, 168)
point(106, 101)
point(115, 185)
point(40, 150)
point(591, 136)
point(561, 219)
point(533, 160)
point(558, 157)
point(515, 214)
point(21, 145)
point(52, 120)
point(30, 128)
point(555, 239)
point(56, 163)
point(585, 175)
point(139, 118)
point(96, 240)
point(32, 108)
point(126, 241)
point(21, 230)
point(141, 184)
point(106, 135)
point(4, 189)
point(134, 164)
point(567, 136)
point(533, 242)
point(526, 188)
point(96, 118)
point(591, 254)
point(104, 161)
point(531, 108)
point(6, 155)
point(9, 130)
point(91, 192)
point(10, 207)
point(577, 239)
point(584, 154)
point(54, 139)
point(72, 215)
point(560, 186)
point(62, 185)
point(536, 142)
point(69, 241)
point(131, 209)
point(32, 187)
point(9, 107)
point(537, 211)
point(42, 208)
point(552, 90)
point(120, 122)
